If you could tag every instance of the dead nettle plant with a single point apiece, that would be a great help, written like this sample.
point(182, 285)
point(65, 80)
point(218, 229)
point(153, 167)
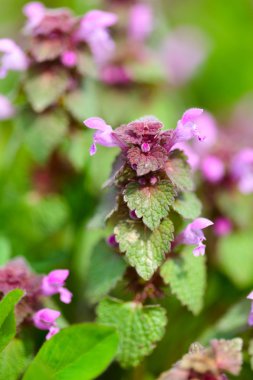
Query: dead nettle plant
point(154, 216)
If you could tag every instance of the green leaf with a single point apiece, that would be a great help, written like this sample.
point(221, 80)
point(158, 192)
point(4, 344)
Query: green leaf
point(44, 88)
point(13, 360)
point(139, 327)
point(79, 352)
point(151, 203)
point(45, 133)
point(5, 250)
point(235, 257)
point(106, 269)
point(7, 316)
point(188, 205)
point(144, 249)
point(74, 102)
point(76, 148)
point(179, 171)
point(186, 276)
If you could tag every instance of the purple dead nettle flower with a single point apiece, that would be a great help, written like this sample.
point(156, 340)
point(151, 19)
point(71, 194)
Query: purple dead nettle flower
point(242, 170)
point(103, 136)
point(222, 226)
point(140, 22)
point(17, 274)
point(193, 235)
point(94, 30)
point(6, 108)
point(11, 58)
point(54, 283)
point(45, 319)
point(183, 52)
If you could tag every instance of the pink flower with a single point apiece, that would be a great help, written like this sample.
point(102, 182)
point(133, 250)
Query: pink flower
point(212, 168)
point(193, 235)
point(69, 58)
point(45, 319)
point(93, 30)
point(6, 108)
point(54, 283)
point(187, 127)
point(115, 75)
point(184, 51)
point(104, 134)
point(35, 12)
point(140, 22)
point(12, 57)
point(222, 226)
point(242, 170)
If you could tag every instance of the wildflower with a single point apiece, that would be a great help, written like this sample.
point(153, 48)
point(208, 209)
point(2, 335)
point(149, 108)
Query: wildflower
point(94, 30)
point(104, 135)
point(183, 52)
point(212, 168)
point(222, 226)
point(114, 74)
point(45, 319)
point(6, 108)
point(140, 22)
point(69, 58)
point(193, 235)
point(12, 57)
point(242, 170)
point(35, 12)
point(54, 283)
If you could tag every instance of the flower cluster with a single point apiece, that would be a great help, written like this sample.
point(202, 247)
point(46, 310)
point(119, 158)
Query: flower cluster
point(208, 363)
point(17, 274)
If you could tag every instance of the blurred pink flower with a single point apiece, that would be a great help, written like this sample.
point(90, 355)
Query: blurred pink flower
point(12, 57)
point(45, 319)
point(184, 51)
point(193, 235)
point(140, 22)
point(54, 283)
point(6, 108)
point(212, 168)
point(222, 226)
point(69, 58)
point(242, 170)
point(93, 30)
point(103, 136)
point(35, 12)
point(115, 75)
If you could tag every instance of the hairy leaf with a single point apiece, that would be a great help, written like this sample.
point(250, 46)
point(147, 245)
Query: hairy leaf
point(179, 171)
point(188, 205)
point(139, 328)
point(7, 316)
point(144, 248)
point(105, 270)
point(44, 88)
point(45, 133)
point(186, 276)
point(151, 203)
point(145, 163)
point(79, 352)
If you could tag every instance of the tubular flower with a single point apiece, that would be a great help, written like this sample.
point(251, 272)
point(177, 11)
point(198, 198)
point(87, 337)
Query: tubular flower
point(103, 136)
point(242, 170)
point(140, 22)
point(193, 235)
point(12, 57)
point(45, 319)
point(54, 283)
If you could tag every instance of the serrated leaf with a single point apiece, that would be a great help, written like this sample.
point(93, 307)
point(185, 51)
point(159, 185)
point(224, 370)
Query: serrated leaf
point(45, 133)
point(105, 270)
point(179, 171)
point(7, 317)
point(79, 352)
point(235, 257)
point(188, 205)
point(139, 327)
point(13, 360)
point(147, 162)
point(151, 203)
point(145, 249)
point(44, 88)
point(186, 276)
